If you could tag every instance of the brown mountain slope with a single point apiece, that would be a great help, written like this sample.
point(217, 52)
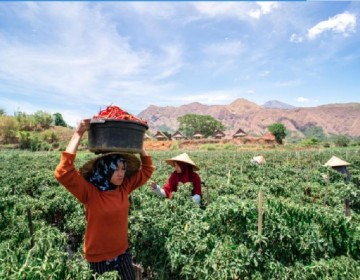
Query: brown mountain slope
point(337, 119)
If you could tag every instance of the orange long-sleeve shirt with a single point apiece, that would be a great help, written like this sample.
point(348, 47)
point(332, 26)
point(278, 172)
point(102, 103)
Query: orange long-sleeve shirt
point(106, 212)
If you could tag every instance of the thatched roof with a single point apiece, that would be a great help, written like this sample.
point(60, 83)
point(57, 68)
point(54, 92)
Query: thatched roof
point(197, 134)
point(218, 134)
point(160, 136)
point(178, 135)
point(239, 133)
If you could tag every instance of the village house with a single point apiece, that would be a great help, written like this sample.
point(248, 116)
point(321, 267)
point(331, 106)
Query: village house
point(178, 136)
point(160, 136)
point(218, 134)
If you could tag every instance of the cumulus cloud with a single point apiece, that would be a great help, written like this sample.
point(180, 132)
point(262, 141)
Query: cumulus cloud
point(224, 9)
point(344, 23)
point(263, 9)
point(303, 99)
point(209, 97)
point(294, 38)
point(239, 10)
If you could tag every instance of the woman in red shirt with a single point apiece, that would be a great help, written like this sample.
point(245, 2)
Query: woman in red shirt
point(103, 185)
point(184, 173)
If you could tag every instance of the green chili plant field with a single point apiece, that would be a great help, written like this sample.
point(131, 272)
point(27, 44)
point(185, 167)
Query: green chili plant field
point(290, 218)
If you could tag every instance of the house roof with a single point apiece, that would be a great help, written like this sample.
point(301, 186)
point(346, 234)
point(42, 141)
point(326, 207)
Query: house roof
point(218, 133)
point(178, 134)
point(160, 135)
point(198, 133)
point(240, 132)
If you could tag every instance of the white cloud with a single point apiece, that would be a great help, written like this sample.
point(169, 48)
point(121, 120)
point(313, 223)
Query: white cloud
point(213, 97)
point(225, 9)
point(264, 73)
point(303, 99)
point(208, 99)
point(238, 10)
point(160, 10)
point(232, 48)
point(89, 59)
point(344, 23)
point(294, 38)
point(263, 9)
point(292, 83)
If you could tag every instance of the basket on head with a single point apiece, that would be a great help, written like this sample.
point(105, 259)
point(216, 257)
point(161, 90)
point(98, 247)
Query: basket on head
point(132, 163)
point(182, 158)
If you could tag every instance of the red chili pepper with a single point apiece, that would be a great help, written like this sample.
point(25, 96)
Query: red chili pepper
point(116, 113)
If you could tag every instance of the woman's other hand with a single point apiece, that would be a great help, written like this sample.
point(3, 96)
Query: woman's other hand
point(153, 185)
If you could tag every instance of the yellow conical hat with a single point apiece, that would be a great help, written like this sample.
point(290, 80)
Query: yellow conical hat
point(259, 159)
point(335, 161)
point(183, 158)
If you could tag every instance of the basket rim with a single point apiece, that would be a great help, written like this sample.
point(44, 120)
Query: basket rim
point(100, 121)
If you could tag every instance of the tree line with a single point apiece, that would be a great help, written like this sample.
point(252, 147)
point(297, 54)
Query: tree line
point(21, 123)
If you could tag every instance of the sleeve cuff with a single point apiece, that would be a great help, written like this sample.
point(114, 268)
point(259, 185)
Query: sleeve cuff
point(159, 191)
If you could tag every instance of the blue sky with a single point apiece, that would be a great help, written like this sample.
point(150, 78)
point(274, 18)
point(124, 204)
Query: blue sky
point(78, 57)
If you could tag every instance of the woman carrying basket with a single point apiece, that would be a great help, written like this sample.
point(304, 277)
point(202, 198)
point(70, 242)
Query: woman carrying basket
point(103, 185)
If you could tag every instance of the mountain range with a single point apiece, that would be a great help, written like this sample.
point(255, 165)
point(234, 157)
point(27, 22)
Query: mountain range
point(334, 119)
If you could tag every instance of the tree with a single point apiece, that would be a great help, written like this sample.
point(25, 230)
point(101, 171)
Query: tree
point(279, 131)
point(26, 122)
point(314, 131)
point(205, 124)
point(8, 128)
point(43, 119)
point(342, 141)
point(2, 112)
point(58, 120)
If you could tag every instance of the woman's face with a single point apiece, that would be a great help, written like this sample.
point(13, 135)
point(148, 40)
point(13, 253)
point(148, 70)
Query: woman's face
point(177, 167)
point(118, 176)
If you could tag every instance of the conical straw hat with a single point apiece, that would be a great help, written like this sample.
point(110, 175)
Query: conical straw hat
point(335, 161)
point(183, 158)
point(259, 159)
point(132, 163)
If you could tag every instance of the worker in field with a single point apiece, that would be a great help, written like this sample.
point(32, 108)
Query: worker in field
point(103, 185)
point(183, 173)
point(340, 166)
point(258, 160)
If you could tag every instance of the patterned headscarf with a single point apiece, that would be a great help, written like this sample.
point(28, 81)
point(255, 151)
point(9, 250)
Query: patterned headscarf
point(102, 171)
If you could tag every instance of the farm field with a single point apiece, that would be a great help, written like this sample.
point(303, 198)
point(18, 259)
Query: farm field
point(279, 220)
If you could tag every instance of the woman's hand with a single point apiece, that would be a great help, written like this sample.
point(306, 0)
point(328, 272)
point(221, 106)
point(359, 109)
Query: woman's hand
point(76, 138)
point(83, 126)
point(153, 185)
